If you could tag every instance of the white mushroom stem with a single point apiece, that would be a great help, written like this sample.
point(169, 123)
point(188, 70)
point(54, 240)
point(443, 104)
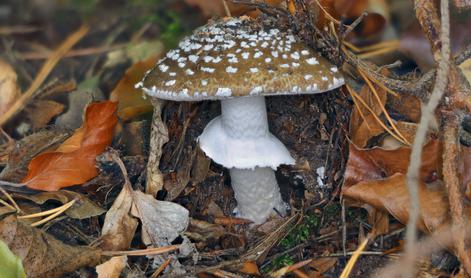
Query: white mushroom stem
point(257, 193)
point(256, 190)
point(239, 140)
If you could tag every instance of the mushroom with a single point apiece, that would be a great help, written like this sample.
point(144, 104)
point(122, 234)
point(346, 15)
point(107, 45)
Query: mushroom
point(238, 61)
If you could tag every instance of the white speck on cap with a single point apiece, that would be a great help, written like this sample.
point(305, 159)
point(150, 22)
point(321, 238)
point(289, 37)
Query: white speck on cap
point(305, 52)
point(295, 55)
point(334, 69)
point(267, 60)
point(189, 72)
point(294, 64)
point(208, 47)
point(257, 90)
point(284, 56)
point(274, 54)
point(181, 65)
point(233, 60)
point(224, 92)
point(172, 73)
point(245, 55)
point(204, 82)
point(170, 83)
point(244, 44)
point(163, 67)
point(257, 54)
point(253, 70)
point(308, 76)
point(264, 44)
point(324, 78)
point(231, 69)
point(208, 59)
point(217, 59)
point(312, 61)
point(193, 58)
point(284, 66)
point(206, 69)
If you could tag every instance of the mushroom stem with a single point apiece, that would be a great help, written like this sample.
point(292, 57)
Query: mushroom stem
point(239, 140)
point(257, 193)
point(256, 189)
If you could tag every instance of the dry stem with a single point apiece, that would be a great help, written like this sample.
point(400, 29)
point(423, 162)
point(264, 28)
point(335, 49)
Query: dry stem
point(427, 114)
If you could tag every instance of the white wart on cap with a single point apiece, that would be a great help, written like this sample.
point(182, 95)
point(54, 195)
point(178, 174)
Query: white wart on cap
point(238, 57)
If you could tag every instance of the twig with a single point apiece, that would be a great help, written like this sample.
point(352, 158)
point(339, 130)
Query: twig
point(452, 182)
point(143, 252)
point(416, 153)
point(43, 73)
point(351, 263)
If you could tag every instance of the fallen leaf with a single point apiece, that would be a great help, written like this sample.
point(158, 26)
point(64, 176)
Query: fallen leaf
point(321, 266)
point(43, 255)
point(83, 207)
point(40, 113)
point(73, 162)
point(377, 163)
point(10, 265)
point(9, 90)
point(119, 226)
point(163, 221)
point(250, 268)
point(363, 124)
point(112, 268)
point(132, 101)
point(391, 195)
point(203, 231)
point(28, 147)
point(466, 68)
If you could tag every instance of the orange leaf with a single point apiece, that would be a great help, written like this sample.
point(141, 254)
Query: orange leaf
point(74, 161)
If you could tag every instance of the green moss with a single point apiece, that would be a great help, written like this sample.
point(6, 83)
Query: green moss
point(302, 232)
point(278, 263)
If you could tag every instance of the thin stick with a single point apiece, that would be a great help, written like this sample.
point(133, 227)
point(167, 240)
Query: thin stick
point(351, 263)
point(161, 268)
point(375, 116)
point(386, 114)
point(144, 252)
point(52, 216)
point(226, 8)
point(11, 199)
point(43, 73)
point(7, 205)
point(416, 153)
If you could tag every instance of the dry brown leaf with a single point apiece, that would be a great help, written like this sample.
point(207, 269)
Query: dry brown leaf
point(391, 195)
point(131, 100)
point(321, 266)
point(377, 163)
point(119, 226)
point(466, 68)
point(363, 125)
point(112, 268)
point(28, 147)
point(83, 207)
point(9, 90)
point(41, 112)
point(42, 254)
point(74, 161)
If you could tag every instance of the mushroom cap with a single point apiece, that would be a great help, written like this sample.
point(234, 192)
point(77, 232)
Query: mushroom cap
point(238, 57)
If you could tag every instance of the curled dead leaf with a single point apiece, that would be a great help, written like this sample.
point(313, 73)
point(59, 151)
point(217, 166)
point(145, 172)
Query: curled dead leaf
point(73, 162)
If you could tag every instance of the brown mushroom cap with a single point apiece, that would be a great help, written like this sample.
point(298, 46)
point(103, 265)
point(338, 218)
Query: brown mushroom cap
point(238, 57)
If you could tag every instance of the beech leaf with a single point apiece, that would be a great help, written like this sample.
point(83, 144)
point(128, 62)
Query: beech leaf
point(73, 162)
point(10, 265)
